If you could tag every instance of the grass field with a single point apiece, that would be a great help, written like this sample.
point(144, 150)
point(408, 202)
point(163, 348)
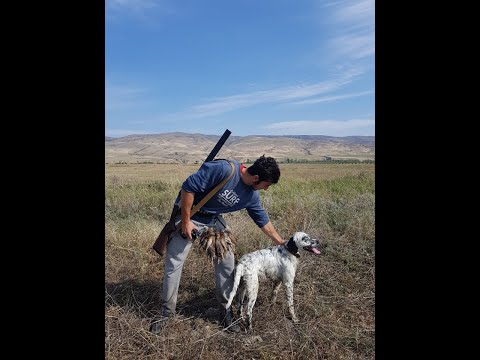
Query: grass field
point(334, 294)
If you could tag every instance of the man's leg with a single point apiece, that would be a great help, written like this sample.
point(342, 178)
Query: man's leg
point(223, 269)
point(224, 277)
point(177, 252)
point(224, 284)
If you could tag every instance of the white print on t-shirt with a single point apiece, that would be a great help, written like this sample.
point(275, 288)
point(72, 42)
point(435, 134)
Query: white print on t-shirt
point(228, 198)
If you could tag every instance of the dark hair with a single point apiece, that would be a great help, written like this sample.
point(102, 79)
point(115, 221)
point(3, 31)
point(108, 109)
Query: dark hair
point(266, 168)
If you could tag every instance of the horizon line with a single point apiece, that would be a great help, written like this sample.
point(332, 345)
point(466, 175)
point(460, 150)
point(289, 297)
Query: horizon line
point(260, 135)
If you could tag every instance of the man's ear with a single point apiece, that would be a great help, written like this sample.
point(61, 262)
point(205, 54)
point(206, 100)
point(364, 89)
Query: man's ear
point(256, 178)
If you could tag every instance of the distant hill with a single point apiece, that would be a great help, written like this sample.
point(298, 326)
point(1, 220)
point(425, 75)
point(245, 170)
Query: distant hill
point(177, 147)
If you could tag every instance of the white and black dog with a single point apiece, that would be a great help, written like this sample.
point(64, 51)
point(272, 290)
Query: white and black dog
point(278, 263)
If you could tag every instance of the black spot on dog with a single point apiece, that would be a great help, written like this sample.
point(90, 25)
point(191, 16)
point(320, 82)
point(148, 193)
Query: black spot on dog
point(291, 246)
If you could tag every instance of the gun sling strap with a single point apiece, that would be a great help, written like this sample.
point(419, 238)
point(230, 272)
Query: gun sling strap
point(163, 238)
point(213, 192)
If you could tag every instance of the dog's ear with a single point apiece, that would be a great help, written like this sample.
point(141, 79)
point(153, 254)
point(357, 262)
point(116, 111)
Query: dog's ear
point(292, 247)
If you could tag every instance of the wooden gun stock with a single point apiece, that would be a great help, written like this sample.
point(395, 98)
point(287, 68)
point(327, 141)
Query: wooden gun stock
point(160, 245)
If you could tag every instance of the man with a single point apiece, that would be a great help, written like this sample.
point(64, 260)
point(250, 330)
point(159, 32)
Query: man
point(240, 192)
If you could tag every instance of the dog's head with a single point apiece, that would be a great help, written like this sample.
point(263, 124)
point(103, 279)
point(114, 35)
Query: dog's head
point(301, 240)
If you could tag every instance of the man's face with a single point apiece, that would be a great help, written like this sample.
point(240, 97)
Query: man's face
point(261, 185)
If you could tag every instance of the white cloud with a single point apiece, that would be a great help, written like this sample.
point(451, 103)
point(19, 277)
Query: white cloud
point(355, 46)
point(357, 13)
point(285, 94)
point(332, 98)
point(333, 3)
point(131, 5)
point(121, 97)
point(124, 132)
point(144, 11)
point(356, 23)
point(360, 127)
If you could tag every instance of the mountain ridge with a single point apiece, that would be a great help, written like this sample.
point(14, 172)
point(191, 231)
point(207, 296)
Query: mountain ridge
point(179, 147)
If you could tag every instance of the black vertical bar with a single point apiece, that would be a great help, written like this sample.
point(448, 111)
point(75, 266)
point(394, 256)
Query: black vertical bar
point(217, 147)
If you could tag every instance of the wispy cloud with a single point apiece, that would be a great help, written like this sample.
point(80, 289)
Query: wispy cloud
point(131, 5)
point(358, 14)
point(333, 3)
point(352, 127)
point(279, 95)
point(356, 19)
point(121, 97)
point(355, 46)
point(142, 10)
point(332, 98)
point(124, 132)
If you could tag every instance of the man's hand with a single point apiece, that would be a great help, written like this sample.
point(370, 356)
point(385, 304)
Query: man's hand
point(270, 231)
point(187, 228)
point(186, 201)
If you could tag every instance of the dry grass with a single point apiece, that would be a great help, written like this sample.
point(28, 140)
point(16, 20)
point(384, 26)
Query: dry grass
point(334, 293)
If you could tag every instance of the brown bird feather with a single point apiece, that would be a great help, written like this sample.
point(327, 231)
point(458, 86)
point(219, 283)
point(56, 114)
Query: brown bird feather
point(217, 243)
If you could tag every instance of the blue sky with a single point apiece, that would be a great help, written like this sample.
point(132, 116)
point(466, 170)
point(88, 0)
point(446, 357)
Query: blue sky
point(256, 67)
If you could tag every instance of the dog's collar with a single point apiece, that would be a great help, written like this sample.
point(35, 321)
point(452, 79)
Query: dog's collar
point(292, 249)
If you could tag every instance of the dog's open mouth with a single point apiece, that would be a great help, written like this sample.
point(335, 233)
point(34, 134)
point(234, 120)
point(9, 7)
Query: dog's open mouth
point(312, 249)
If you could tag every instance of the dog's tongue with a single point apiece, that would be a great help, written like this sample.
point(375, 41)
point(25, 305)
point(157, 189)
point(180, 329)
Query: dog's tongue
point(316, 251)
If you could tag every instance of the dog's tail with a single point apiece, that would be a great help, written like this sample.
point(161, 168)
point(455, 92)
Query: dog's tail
point(236, 282)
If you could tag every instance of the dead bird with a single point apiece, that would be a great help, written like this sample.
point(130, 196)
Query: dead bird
point(216, 243)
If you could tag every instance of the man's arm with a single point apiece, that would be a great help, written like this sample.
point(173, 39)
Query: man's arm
point(270, 231)
point(186, 202)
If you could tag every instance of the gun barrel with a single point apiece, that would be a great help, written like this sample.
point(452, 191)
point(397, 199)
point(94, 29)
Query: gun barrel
point(217, 147)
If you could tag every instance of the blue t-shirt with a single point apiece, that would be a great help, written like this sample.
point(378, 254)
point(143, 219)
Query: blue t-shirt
point(234, 195)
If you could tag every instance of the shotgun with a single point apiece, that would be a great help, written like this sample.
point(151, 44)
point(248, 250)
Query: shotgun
point(160, 245)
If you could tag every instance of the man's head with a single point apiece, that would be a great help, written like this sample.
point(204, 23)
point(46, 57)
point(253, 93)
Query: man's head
point(266, 172)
